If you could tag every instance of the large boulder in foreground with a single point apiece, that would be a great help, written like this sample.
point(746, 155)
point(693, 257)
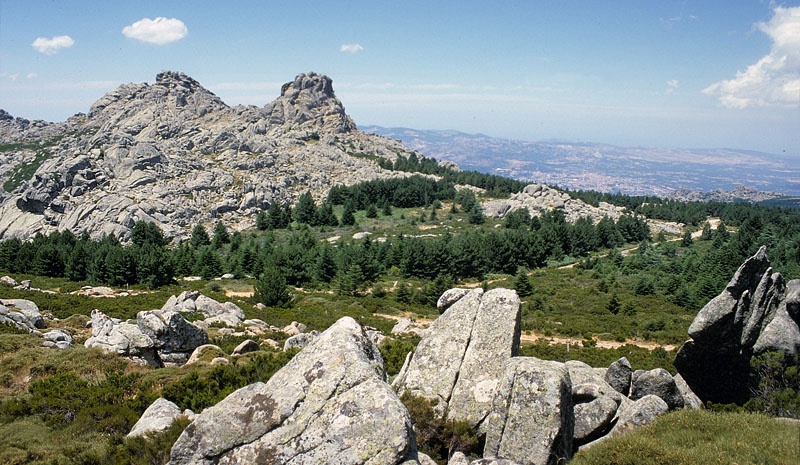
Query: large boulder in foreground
point(756, 313)
point(459, 361)
point(531, 421)
point(330, 404)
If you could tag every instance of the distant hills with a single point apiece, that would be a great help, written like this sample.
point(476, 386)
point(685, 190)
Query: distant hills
point(608, 168)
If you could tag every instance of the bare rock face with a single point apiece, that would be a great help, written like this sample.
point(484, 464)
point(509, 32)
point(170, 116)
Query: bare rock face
point(531, 421)
point(174, 154)
point(540, 198)
point(757, 312)
point(459, 361)
point(330, 404)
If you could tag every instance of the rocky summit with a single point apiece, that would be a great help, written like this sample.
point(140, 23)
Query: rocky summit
point(175, 154)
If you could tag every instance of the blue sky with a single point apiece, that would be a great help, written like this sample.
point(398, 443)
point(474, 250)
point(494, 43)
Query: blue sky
point(650, 73)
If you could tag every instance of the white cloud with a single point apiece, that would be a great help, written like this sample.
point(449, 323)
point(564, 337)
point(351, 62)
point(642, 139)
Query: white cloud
point(13, 77)
point(157, 31)
point(672, 84)
point(774, 80)
point(351, 48)
point(31, 75)
point(52, 45)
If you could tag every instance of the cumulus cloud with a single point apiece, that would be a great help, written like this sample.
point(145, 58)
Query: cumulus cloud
point(157, 31)
point(351, 48)
point(774, 80)
point(52, 45)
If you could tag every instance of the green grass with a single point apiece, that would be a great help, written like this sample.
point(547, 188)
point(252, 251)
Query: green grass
point(570, 302)
point(700, 437)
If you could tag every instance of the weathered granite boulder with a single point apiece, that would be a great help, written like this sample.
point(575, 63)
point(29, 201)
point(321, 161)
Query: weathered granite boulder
point(246, 347)
point(173, 337)
point(294, 328)
point(619, 375)
point(494, 339)
point(226, 313)
point(21, 313)
point(58, 338)
point(690, 399)
point(757, 312)
point(158, 337)
point(657, 382)
point(9, 280)
point(593, 419)
point(459, 361)
point(205, 352)
point(158, 417)
point(531, 420)
point(299, 341)
point(639, 413)
point(450, 297)
point(123, 338)
point(330, 404)
point(458, 458)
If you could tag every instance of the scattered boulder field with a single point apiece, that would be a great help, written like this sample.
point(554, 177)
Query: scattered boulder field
point(332, 403)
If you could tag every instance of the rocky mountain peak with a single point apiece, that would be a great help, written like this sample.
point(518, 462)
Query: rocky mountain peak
point(311, 82)
point(309, 101)
point(173, 153)
point(176, 79)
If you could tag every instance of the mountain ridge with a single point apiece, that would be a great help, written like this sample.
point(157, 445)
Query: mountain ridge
point(175, 154)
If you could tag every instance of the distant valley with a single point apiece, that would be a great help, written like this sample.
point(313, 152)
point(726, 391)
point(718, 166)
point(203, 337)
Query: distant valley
point(604, 167)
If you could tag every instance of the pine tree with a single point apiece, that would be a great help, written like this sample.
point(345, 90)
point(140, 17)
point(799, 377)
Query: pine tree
point(274, 216)
point(686, 240)
point(78, 263)
point(706, 235)
point(372, 212)
point(262, 221)
point(210, 264)
point(403, 293)
point(348, 217)
point(199, 236)
point(325, 268)
point(352, 281)
point(221, 235)
point(476, 214)
point(270, 289)
point(613, 304)
point(386, 209)
point(522, 283)
point(305, 209)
